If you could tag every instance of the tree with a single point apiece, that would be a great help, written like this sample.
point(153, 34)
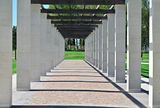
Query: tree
point(145, 24)
point(14, 39)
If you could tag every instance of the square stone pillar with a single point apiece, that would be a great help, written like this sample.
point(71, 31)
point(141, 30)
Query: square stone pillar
point(53, 47)
point(43, 44)
point(92, 48)
point(35, 42)
point(134, 45)
point(23, 44)
point(105, 46)
point(154, 55)
point(100, 46)
point(97, 48)
point(48, 43)
point(120, 34)
point(86, 49)
point(94, 43)
point(111, 45)
point(5, 53)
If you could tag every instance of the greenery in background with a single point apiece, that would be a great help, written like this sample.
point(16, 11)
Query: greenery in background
point(13, 63)
point(145, 24)
point(74, 55)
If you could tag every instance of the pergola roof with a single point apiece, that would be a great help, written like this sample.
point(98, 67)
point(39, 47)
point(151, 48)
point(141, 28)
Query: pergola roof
point(77, 22)
point(79, 2)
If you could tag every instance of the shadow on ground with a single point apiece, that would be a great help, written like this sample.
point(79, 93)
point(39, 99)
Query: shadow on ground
point(61, 107)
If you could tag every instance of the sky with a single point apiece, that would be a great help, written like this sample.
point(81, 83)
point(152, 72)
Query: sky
point(14, 12)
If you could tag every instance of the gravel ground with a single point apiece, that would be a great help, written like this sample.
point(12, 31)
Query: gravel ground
point(73, 83)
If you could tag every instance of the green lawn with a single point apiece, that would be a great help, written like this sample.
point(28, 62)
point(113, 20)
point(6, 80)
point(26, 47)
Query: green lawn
point(74, 55)
point(79, 55)
point(145, 67)
point(14, 66)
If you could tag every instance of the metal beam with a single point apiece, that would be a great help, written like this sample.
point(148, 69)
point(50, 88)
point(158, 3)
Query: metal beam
point(80, 29)
point(77, 17)
point(75, 31)
point(76, 22)
point(76, 26)
point(79, 11)
point(74, 36)
point(79, 2)
point(79, 37)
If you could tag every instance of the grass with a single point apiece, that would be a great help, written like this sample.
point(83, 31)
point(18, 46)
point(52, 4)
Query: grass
point(13, 66)
point(74, 55)
point(145, 70)
point(145, 67)
point(79, 55)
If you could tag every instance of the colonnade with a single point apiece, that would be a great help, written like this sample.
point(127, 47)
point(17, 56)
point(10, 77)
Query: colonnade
point(113, 49)
point(40, 47)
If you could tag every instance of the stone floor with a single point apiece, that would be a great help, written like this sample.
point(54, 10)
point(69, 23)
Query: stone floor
point(75, 83)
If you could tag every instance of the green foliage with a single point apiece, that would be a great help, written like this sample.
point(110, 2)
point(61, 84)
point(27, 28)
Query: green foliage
point(145, 24)
point(14, 37)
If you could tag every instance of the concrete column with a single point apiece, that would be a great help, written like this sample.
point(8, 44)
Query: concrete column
point(35, 43)
point(48, 41)
point(97, 47)
point(120, 24)
point(105, 47)
point(43, 44)
point(56, 49)
point(86, 49)
point(53, 47)
point(91, 45)
point(23, 44)
point(134, 45)
point(100, 47)
point(5, 53)
point(50, 45)
point(94, 43)
point(154, 55)
point(46, 45)
point(111, 45)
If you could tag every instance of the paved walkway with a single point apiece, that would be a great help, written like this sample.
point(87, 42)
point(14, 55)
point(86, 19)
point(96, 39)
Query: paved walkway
point(74, 83)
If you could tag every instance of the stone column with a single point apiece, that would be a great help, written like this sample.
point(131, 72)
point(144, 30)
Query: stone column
point(105, 47)
point(97, 48)
point(46, 45)
point(111, 45)
point(23, 44)
point(5, 53)
point(54, 46)
point(100, 46)
point(94, 43)
point(120, 24)
point(35, 43)
point(42, 43)
point(154, 55)
point(91, 44)
point(134, 45)
point(48, 41)
point(86, 49)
